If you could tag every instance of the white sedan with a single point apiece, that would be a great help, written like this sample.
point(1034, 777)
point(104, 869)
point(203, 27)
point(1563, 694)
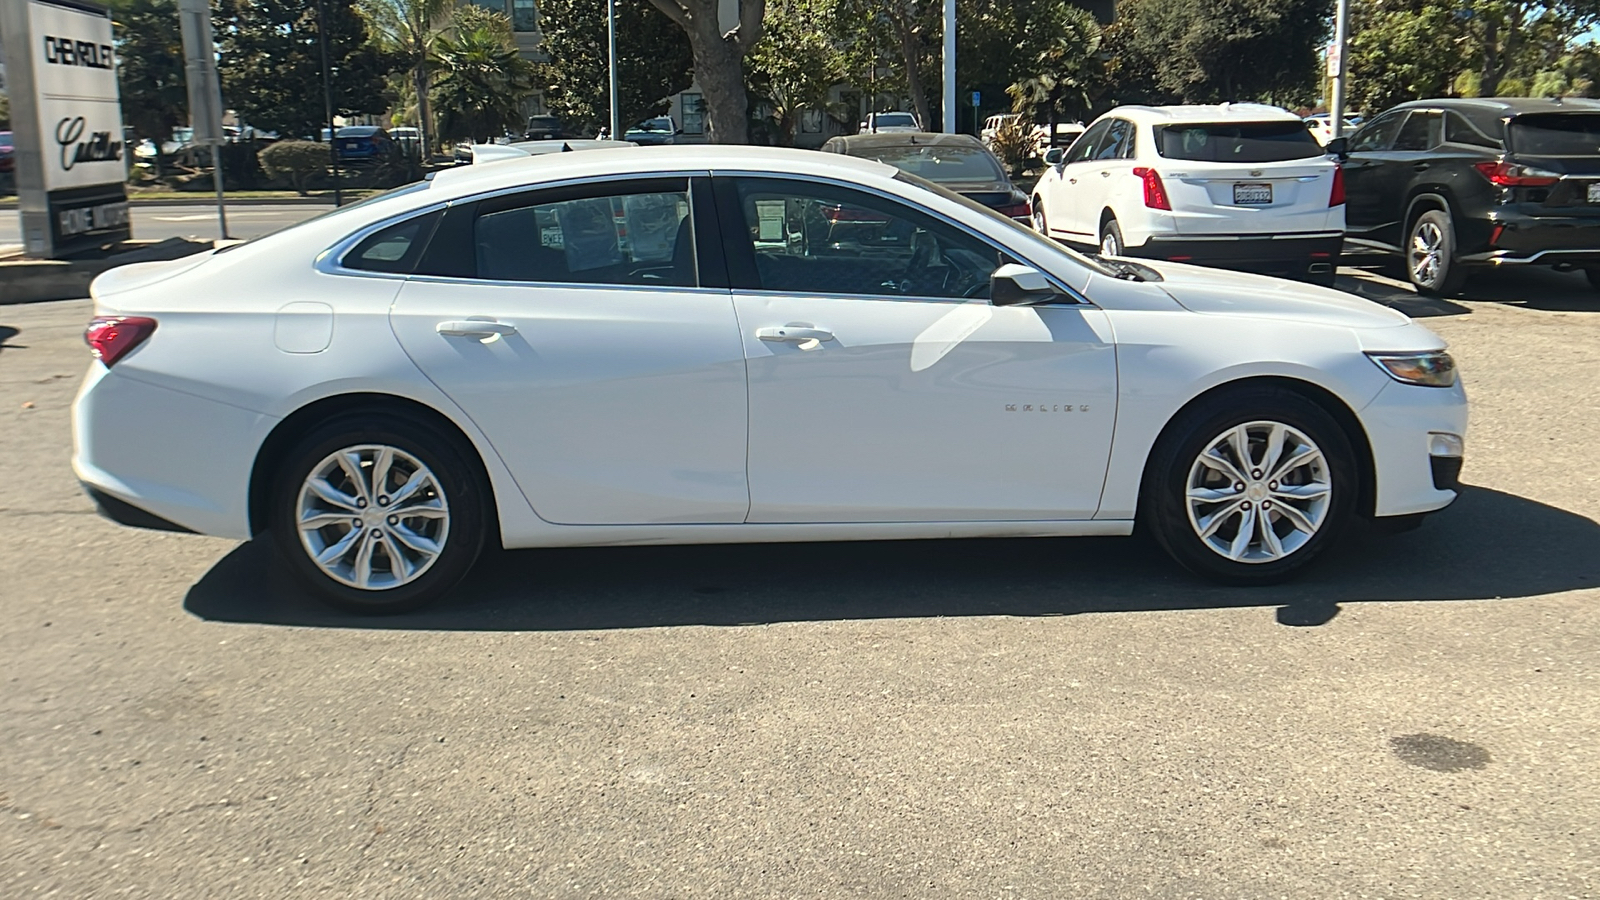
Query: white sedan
point(717, 344)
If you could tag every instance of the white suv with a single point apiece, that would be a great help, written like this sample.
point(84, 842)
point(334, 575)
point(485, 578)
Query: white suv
point(1240, 186)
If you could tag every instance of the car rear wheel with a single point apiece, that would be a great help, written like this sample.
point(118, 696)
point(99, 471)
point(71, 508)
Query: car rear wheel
point(1250, 488)
point(378, 514)
point(1110, 238)
point(1431, 262)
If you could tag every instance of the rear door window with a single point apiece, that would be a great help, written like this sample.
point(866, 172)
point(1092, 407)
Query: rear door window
point(1458, 129)
point(1420, 132)
point(1237, 142)
point(1556, 134)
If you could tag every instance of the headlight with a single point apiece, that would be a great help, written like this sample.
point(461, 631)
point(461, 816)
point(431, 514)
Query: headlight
point(1433, 369)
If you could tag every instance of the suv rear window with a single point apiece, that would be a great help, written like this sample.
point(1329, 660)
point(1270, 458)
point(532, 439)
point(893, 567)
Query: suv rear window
point(1241, 142)
point(1556, 134)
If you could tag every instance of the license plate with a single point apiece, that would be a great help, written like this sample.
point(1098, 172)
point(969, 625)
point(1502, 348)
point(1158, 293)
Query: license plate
point(352, 145)
point(1594, 192)
point(1252, 194)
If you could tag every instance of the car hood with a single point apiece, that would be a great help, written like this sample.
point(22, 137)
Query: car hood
point(1220, 292)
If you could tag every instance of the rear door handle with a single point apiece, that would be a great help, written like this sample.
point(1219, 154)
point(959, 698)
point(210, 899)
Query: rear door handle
point(1105, 174)
point(805, 336)
point(1421, 166)
point(478, 328)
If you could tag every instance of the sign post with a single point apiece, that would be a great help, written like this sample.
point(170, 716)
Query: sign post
point(205, 94)
point(66, 120)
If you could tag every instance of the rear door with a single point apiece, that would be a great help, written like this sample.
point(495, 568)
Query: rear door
point(1106, 174)
point(575, 326)
point(1267, 177)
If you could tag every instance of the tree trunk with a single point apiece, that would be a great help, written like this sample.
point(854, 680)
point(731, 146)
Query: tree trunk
point(1489, 77)
point(910, 54)
point(419, 76)
point(719, 68)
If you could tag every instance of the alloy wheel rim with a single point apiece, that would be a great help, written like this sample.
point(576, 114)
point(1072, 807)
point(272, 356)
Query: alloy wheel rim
point(1258, 492)
point(372, 516)
point(1427, 242)
point(1038, 221)
point(1109, 246)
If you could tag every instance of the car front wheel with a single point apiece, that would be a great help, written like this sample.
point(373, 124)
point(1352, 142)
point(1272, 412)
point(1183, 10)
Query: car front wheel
point(377, 514)
point(1039, 223)
point(1250, 488)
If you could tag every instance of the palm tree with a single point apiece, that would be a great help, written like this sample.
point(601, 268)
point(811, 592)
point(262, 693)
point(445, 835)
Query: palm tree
point(409, 29)
point(482, 82)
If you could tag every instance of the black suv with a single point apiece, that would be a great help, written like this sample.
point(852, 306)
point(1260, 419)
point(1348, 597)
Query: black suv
point(1452, 184)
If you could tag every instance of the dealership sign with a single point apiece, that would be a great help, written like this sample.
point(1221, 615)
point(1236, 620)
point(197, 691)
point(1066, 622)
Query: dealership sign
point(67, 122)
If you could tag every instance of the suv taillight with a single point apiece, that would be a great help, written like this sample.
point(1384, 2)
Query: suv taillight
point(111, 337)
point(1016, 210)
point(1155, 193)
point(1508, 174)
point(1336, 196)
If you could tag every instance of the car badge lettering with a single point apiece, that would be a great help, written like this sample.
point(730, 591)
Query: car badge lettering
point(98, 148)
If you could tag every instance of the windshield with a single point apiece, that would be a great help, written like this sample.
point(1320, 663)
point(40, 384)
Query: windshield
point(1556, 134)
point(1237, 142)
point(1036, 241)
point(945, 164)
point(893, 120)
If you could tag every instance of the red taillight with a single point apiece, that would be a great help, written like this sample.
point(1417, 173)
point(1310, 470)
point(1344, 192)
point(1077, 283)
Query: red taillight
point(1508, 175)
point(111, 337)
point(1021, 210)
point(1155, 193)
point(1494, 236)
point(1336, 196)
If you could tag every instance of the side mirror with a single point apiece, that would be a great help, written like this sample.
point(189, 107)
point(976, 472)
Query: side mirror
point(1339, 146)
point(1052, 157)
point(1014, 284)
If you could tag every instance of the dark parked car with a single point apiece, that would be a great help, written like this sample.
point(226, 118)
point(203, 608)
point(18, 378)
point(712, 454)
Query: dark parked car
point(543, 128)
point(8, 154)
point(653, 132)
point(959, 162)
point(1456, 184)
point(361, 143)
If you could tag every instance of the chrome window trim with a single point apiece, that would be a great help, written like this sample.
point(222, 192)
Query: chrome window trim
point(557, 285)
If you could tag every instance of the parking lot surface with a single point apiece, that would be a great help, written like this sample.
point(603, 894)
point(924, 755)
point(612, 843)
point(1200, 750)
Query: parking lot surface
point(1419, 716)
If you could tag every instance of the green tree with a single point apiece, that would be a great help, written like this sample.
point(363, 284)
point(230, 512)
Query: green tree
point(719, 61)
point(406, 30)
point(1067, 74)
point(271, 63)
point(482, 81)
point(1405, 51)
point(150, 75)
point(653, 61)
point(797, 62)
point(1199, 51)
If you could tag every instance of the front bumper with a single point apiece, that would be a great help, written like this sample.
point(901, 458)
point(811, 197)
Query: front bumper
point(1520, 239)
point(1284, 255)
point(1413, 474)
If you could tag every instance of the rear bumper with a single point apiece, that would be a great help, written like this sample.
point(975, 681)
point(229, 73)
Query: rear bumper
point(1287, 255)
point(1539, 240)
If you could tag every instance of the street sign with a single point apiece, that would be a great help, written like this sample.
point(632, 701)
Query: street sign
point(66, 119)
point(976, 98)
point(1334, 57)
point(200, 70)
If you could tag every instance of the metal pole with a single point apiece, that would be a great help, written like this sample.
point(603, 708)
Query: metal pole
point(216, 181)
point(1341, 36)
point(327, 102)
point(611, 39)
point(949, 66)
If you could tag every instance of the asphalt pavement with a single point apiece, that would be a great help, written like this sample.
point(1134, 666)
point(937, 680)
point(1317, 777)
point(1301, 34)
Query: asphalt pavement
point(1419, 716)
point(160, 222)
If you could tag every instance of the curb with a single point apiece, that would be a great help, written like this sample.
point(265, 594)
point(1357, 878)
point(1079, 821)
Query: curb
point(211, 200)
point(43, 280)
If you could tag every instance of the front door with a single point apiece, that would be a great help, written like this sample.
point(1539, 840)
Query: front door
point(569, 325)
point(883, 385)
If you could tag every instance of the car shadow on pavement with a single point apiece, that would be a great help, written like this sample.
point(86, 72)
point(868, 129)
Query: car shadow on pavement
point(6, 334)
point(1490, 545)
point(1529, 287)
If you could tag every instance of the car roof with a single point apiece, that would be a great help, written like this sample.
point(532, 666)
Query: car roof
point(866, 142)
point(501, 174)
point(1508, 106)
point(1218, 112)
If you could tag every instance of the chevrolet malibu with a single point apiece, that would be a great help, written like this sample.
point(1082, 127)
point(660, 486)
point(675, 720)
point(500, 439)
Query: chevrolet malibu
point(680, 345)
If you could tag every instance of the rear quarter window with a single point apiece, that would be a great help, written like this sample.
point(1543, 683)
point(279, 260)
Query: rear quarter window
point(1239, 142)
point(1556, 134)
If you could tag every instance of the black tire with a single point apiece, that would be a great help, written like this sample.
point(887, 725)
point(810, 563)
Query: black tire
point(457, 483)
point(1164, 502)
point(1111, 236)
point(1040, 223)
point(1445, 275)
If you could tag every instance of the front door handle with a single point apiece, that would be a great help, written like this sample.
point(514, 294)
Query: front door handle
point(477, 328)
point(1421, 166)
point(1105, 174)
point(804, 336)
